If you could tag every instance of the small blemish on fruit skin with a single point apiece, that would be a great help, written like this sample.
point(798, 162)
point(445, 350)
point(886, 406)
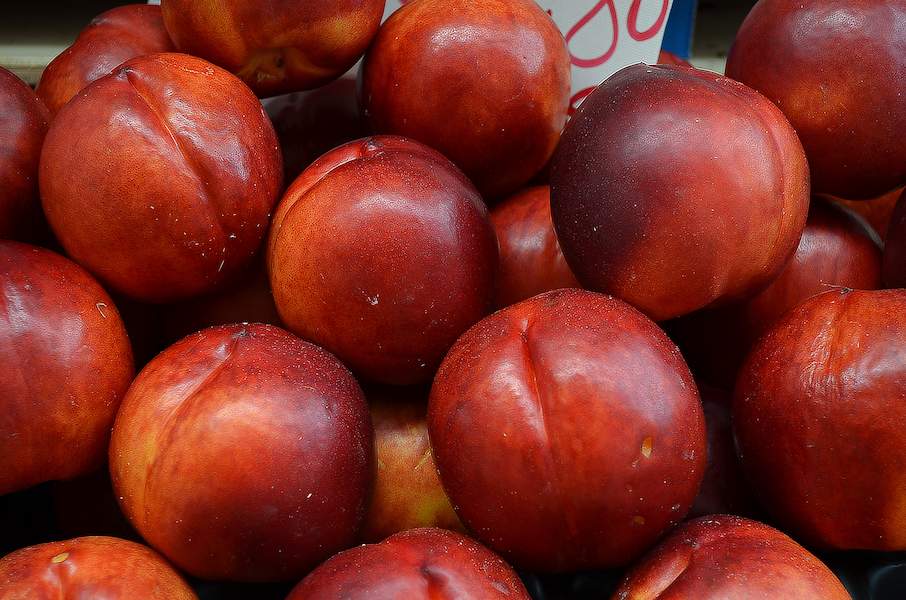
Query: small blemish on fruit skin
point(638, 520)
point(59, 558)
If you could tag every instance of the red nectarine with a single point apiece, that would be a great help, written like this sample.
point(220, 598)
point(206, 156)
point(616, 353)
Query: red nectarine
point(419, 564)
point(837, 249)
point(407, 491)
point(244, 453)
point(724, 557)
point(382, 252)
point(568, 431)
point(90, 567)
point(530, 259)
point(485, 82)
point(675, 189)
point(837, 69)
point(23, 121)
point(160, 177)
point(65, 364)
point(112, 38)
point(818, 416)
point(276, 46)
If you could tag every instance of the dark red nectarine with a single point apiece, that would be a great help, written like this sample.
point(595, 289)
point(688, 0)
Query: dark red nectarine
point(407, 491)
point(723, 489)
point(485, 82)
point(895, 248)
point(112, 38)
point(724, 557)
point(837, 249)
point(308, 124)
point(568, 431)
point(675, 189)
point(276, 46)
point(90, 567)
point(65, 364)
point(160, 177)
point(23, 121)
point(818, 416)
point(530, 259)
point(877, 211)
point(382, 252)
point(837, 69)
point(244, 453)
point(419, 564)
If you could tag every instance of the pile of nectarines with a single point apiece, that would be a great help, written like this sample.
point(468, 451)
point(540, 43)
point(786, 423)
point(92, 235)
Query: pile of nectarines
point(397, 340)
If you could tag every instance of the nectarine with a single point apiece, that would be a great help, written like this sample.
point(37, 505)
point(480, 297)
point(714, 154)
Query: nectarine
point(818, 416)
point(675, 189)
point(90, 567)
point(244, 453)
point(723, 557)
point(419, 564)
point(407, 491)
point(276, 46)
point(568, 432)
point(485, 82)
point(382, 252)
point(112, 38)
point(837, 69)
point(23, 121)
point(160, 177)
point(530, 258)
point(65, 364)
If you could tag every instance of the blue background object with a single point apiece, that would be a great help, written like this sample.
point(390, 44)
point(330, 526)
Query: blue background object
point(680, 27)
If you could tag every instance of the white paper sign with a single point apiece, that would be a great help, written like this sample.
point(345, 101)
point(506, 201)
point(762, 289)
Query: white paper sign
point(603, 35)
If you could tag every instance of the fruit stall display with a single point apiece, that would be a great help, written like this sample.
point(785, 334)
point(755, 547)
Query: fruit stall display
point(452, 330)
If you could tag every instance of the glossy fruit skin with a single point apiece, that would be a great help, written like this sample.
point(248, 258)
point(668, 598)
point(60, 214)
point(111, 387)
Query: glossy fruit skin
point(407, 490)
point(160, 178)
point(837, 69)
point(837, 249)
point(419, 564)
point(382, 252)
point(548, 441)
point(831, 370)
point(530, 258)
point(112, 38)
point(894, 269)
point(244, 453)
point(23, 121)
point(729, 558)
point(276, 46)
point(90, 567)
point(723, 489)
point(646, 206)
point(309, 124)
point(65, 364)
point(877, 211)
point(484, 82)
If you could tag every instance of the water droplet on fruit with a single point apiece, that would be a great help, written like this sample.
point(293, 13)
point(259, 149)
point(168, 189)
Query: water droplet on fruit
point(647, 445)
